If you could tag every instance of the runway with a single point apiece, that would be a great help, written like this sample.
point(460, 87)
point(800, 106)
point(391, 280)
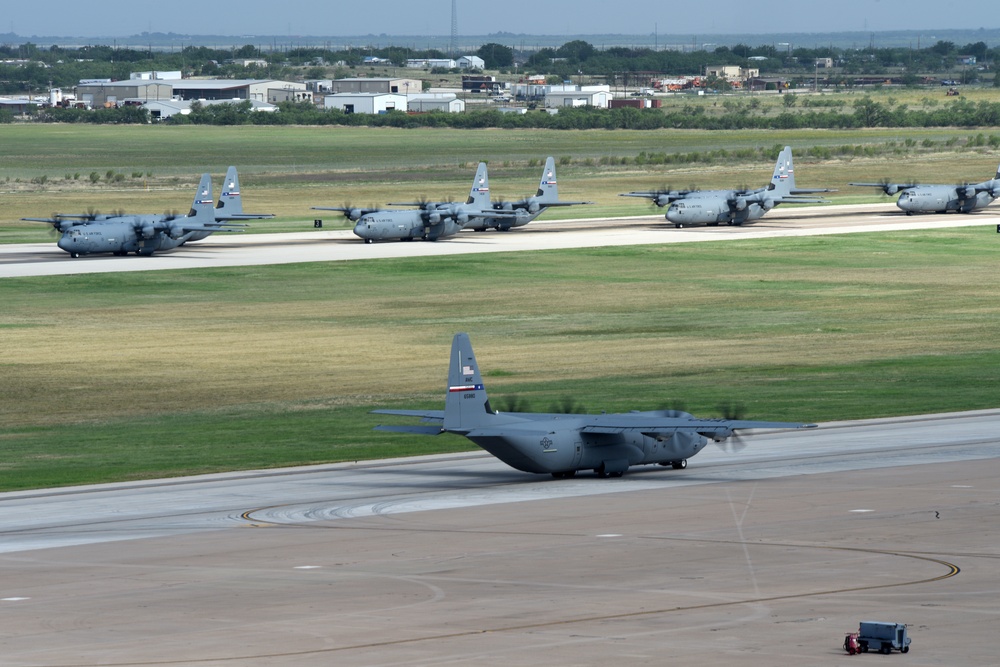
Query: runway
point(222, 250)
point(766, 556)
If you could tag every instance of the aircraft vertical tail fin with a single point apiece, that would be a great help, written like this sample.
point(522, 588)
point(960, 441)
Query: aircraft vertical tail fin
point(997, 177)
point(230, 202)
point(203, 206)
point(548, 189)
point(466, 406)
point(480, 192)
point(783, 180)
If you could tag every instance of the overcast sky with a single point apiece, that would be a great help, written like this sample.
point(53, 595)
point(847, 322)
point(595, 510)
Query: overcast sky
point(433, 17)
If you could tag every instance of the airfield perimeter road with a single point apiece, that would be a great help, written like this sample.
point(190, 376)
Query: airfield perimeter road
point(763, 557)
point(759, 558)
point(40, 259)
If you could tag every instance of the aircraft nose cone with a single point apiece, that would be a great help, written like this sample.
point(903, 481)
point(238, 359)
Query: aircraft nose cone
point(361, 228)
point(66, 242)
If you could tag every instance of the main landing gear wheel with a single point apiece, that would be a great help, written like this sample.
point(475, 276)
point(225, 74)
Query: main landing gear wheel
point(679, 225)
point(564, 475)
point(679, 465)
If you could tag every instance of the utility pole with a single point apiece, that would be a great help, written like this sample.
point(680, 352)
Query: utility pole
point(454, 28)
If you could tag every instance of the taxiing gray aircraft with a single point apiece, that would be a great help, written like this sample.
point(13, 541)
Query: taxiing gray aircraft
point(526, 209)
point(430, 222)
point(914, 198)
point(562, 444)
point(141, 234)
point(733, 207)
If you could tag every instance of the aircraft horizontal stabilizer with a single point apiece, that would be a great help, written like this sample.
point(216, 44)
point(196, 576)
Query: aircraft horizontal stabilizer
point(426, 415)
point(422, 430)
point(245, 216)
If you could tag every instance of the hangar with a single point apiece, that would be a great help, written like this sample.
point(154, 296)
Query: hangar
point(229, 89)
point(446, 102)
point(365, 102)
point(100, 94)
point(377, 85)
point(163, 109)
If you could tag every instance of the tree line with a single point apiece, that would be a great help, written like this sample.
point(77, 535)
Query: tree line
point(865, 112)
point(33, 68)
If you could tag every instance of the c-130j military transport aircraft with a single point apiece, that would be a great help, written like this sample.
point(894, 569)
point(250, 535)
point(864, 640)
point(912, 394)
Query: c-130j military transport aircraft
point(733, 207)
point(430, 222)
point(914, 198)
point(562, 444)
point(144, 234)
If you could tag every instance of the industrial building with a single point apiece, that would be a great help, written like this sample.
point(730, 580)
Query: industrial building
point(579, 96)
point(447, 102)
point(113, 93)
point(370, 103)
point(163, 109)
point(377, 85)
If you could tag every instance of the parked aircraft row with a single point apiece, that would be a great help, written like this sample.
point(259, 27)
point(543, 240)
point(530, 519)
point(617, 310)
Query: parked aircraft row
point(145, 234)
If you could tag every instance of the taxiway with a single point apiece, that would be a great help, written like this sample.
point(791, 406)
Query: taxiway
point(764, 557)
point(38, 259)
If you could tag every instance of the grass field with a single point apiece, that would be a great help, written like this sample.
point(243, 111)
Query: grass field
point(128, 376)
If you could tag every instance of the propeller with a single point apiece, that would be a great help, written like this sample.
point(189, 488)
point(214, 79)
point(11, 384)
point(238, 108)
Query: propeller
point(514, 403)
point(735, 442)
point(673, 409)
point(567, 405)
point(351, 212)
point(966, 190)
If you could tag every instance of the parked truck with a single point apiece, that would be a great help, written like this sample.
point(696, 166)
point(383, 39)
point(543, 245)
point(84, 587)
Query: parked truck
point(883, 637)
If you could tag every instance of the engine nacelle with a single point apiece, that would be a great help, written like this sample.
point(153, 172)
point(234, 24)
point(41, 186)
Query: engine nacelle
point(767, 204)
point(891, 189)
point(661, 200)
point(462, 218)
point(434, 217)
point(533, 207)
point(148, 231)
point(968, 191)
point(740, 203)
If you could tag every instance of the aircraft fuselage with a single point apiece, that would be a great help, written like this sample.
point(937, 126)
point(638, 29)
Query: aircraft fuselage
point(119, 238)
point(551, 445)
point(712, 208)
point(403, 225)
point(941, 198)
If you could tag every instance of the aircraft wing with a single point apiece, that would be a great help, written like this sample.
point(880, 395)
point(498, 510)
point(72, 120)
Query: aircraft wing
point(888, 188)
point(659, 197)
point(662, 426)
